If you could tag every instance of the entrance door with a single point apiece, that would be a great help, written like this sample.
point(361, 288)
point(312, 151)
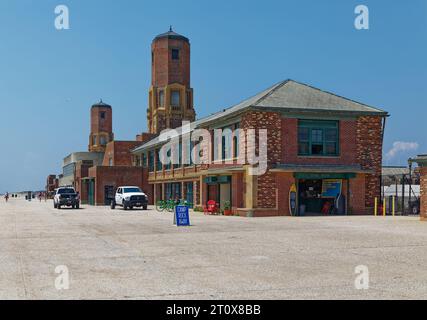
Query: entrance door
point(108, 195)
point(213, 193)
point(319, 197)
point(310, 197)
point(91, 192)
point(225, 194)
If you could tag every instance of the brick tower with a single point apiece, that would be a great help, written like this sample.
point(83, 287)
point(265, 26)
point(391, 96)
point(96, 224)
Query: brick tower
point(170, 96)
point(101, 127)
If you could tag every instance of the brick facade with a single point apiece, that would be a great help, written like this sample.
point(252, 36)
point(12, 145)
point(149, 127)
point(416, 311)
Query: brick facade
point(115, 177)
point(348, 144)
point(369, 155)
point(360, 143)
point(272, 122)
point(117, 153)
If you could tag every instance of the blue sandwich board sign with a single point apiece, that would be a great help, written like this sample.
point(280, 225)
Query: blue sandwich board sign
point(182, 216)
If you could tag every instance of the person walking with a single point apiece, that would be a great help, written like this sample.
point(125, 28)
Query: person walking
point(6, 196)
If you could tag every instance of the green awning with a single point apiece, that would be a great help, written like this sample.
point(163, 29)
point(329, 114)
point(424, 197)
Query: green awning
point(218, 180)
point(321, 176)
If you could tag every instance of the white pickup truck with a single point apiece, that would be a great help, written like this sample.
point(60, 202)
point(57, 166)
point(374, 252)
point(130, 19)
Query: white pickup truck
point(129, 198)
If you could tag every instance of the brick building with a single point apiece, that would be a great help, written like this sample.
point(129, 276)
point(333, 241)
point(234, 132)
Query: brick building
point(52, 183)
point(117, 169)
point(421, 160)
point(320, 145)
point(320, 148)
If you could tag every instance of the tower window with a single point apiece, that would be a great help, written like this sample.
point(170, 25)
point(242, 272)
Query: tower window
point(161, 98)
point(175, 98)
point(103, 115)
point(103, 141)
point(175, 54)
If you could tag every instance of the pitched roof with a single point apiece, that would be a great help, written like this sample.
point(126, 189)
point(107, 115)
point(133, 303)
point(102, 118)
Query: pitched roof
point(287, 96)
point(293, 95)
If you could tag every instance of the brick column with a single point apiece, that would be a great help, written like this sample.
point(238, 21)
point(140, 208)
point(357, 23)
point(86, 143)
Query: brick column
point(237, 190)
point(369, 155)
point(196, 193)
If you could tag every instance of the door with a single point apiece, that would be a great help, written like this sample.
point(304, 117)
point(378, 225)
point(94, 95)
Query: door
point(108, 195)
point(91, 192)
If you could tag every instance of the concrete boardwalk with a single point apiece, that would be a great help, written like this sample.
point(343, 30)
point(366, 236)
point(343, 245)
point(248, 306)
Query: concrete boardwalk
point(140, 255)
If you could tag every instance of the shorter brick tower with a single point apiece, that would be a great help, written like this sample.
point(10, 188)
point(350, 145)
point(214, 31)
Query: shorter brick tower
point(101, 127)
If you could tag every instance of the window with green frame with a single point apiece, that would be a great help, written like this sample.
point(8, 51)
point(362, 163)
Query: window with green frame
point(144, 159)
point(318, 138)
point(151, 161)
point(159, 165)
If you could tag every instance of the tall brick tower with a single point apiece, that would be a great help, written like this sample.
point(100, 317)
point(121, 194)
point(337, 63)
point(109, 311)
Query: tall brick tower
point(101, 127)
point(170, 96)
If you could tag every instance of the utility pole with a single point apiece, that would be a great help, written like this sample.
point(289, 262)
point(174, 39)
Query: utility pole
point(410, 187)
point(403, 195)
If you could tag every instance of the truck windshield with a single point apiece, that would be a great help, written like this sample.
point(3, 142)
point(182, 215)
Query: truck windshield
point(66, 191)
point(131, 190)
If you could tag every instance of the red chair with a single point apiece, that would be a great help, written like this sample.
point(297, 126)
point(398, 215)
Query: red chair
point(326, 208)
point(211, 208)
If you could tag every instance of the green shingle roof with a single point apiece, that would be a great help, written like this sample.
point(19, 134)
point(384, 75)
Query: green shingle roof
point(287, 96)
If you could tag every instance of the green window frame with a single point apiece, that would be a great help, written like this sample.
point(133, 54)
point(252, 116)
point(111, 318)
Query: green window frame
point(144, 159)
point(151, 161)
point(318, 138)
point(159, 164)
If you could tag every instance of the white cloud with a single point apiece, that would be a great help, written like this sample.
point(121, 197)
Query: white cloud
point(399, 147)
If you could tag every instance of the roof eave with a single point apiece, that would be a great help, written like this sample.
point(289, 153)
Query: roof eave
point(321, 111)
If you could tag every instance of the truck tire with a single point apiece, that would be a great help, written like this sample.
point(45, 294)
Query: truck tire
point(58, 206)
point(145, 207)
point(77, 206)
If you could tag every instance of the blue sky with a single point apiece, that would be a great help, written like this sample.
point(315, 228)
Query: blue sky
point(50, 78)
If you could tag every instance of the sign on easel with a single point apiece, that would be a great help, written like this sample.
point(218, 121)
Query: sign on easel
point(182, 216)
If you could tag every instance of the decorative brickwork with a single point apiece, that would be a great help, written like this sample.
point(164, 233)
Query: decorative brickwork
point(266, 184)
point(267, 187)
point(270, 121)
point(369, 155)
